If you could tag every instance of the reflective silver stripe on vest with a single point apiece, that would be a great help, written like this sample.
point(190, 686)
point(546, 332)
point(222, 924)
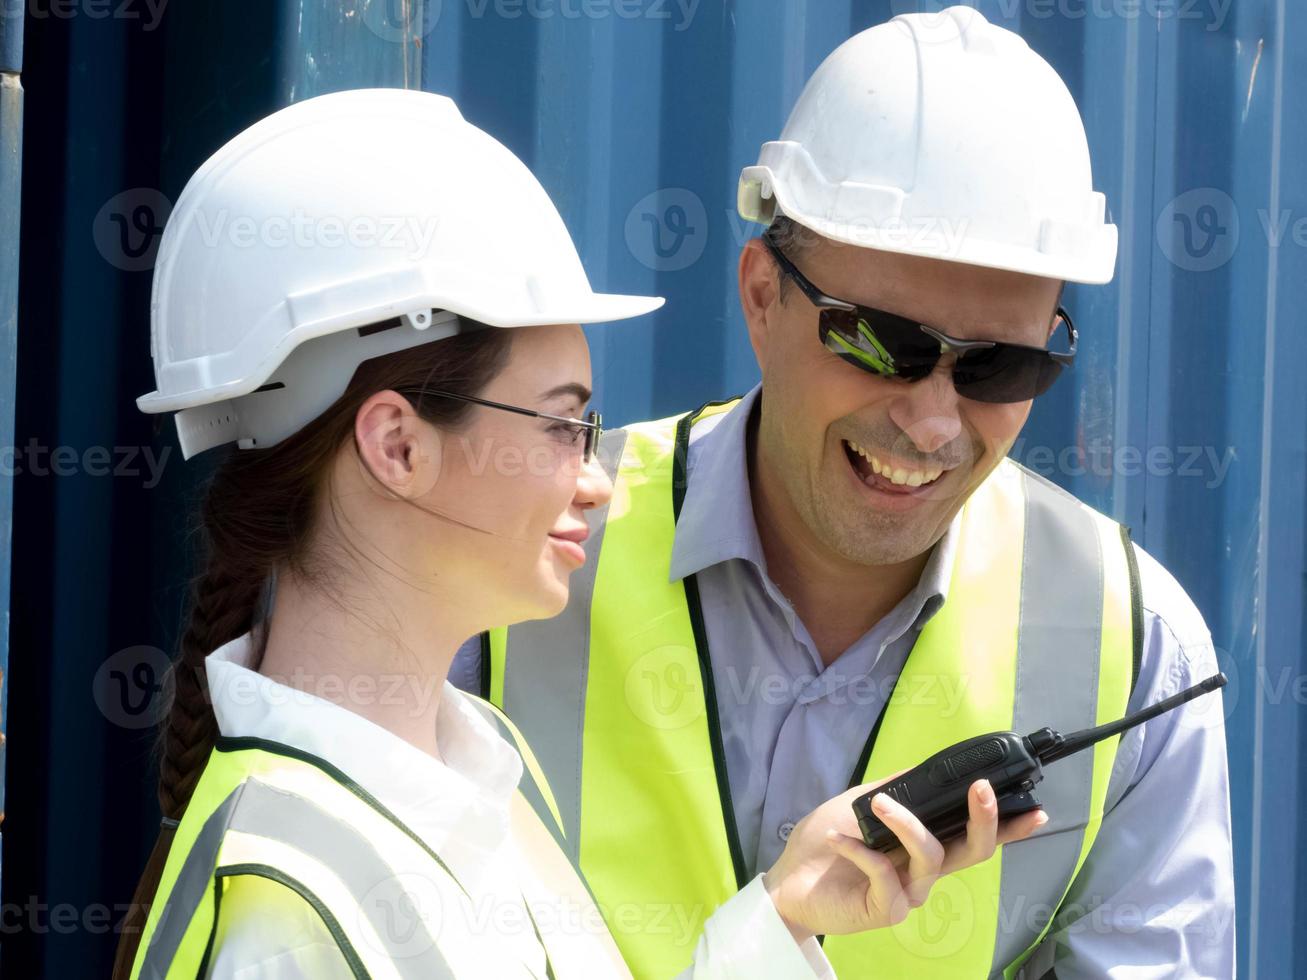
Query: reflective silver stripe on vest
point(190, 888)
point(1058, 650)
point(544, 689)
point(258, 809)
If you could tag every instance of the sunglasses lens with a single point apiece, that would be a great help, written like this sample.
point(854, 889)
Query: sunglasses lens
point(882, 344)
point(894, 347)
point(1005, 374)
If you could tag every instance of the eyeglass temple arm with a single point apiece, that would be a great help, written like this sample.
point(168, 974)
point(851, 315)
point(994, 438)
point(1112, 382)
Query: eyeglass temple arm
point(1066, 357)
point(529, 412)
point(815, 296)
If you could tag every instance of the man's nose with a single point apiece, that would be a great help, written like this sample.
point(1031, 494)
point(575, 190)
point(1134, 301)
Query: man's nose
point(926, 411)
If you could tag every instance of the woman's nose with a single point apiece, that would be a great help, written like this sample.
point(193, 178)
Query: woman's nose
point(593, 487)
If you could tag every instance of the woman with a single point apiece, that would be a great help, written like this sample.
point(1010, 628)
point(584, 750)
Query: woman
point(331, 294)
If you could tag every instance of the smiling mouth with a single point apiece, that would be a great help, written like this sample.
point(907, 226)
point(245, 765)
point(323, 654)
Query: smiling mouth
point(881, 474)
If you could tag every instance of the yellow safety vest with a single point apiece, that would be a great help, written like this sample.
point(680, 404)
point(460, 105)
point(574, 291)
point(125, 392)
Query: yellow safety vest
point(1041, 627)
point(272, 811)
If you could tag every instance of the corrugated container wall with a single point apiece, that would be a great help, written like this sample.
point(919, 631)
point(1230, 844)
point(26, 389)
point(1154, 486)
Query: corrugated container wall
point(1185, 416)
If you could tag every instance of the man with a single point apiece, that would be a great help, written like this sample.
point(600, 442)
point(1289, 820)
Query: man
point(834, 577)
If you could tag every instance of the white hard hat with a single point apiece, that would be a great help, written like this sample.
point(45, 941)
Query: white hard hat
point(945, 136)
point(346, 210)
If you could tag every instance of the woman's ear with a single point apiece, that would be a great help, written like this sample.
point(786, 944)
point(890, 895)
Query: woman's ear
point(759, 294)
point(400, 450)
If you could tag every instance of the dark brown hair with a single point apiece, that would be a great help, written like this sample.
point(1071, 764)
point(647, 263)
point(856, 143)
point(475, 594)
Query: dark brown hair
point(258, 518)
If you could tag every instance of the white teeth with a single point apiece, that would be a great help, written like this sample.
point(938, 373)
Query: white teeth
point(899, 476)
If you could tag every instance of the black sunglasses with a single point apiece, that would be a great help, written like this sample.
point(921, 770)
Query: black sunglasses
point(892, 346)
point(592, 425)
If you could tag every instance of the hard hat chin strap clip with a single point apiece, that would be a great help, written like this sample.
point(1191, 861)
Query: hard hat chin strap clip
point(206, 426)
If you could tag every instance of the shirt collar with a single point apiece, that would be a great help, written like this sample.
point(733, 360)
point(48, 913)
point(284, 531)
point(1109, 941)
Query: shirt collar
point(464, 799)
point(717, 522)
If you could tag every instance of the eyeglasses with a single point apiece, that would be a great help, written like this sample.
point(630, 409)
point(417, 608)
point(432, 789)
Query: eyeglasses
point(592, 425)
point(892, 346)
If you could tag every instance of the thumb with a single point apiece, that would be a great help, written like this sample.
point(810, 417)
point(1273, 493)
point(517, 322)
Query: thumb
point(876, 866)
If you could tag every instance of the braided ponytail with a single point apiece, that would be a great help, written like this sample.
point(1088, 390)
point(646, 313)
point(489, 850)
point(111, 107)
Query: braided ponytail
point(256, 519)
point(222, 608)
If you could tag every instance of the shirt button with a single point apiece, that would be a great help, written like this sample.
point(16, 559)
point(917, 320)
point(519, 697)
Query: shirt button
point(784, 830)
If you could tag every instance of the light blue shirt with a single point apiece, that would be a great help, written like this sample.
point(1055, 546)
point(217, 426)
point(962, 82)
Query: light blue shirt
point(1156, 892)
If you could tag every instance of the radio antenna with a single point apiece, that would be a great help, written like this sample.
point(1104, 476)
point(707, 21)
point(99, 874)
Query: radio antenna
point(1065, 745)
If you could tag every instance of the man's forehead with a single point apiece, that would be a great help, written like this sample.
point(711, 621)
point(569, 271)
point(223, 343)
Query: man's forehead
point(913, 285)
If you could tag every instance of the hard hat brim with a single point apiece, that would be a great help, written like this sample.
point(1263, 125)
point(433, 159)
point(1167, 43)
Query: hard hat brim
point(1096, 268)
point(584, 309)
point(594, 308)
point(1092, 261)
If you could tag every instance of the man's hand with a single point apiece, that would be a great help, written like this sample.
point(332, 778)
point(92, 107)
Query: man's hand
point(828, 882)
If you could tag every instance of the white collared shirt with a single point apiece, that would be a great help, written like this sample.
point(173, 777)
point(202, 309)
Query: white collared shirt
point(459, 806)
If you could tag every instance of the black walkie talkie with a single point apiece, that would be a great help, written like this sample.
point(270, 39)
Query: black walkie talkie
point(936, 790)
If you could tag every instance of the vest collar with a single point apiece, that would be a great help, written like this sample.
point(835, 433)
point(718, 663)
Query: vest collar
point(460, 807)
point(716, 522)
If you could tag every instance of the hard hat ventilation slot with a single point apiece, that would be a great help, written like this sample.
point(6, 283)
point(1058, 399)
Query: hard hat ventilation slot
point(379, 326)
point(418, 320)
